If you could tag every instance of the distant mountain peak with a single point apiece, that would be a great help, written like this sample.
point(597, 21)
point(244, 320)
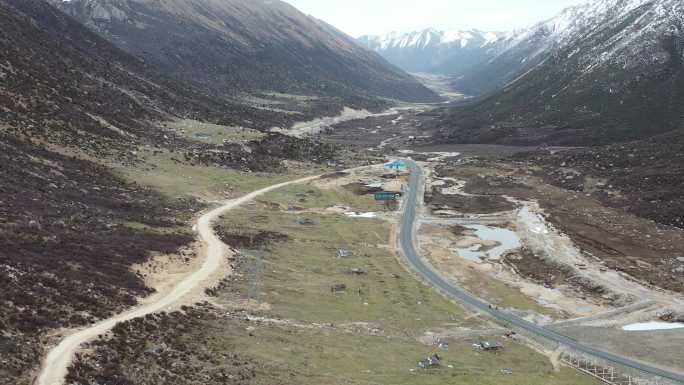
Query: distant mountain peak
point(433, 50)
point(430, 37)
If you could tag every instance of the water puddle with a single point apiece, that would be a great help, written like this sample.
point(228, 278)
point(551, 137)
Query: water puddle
point(504, 239)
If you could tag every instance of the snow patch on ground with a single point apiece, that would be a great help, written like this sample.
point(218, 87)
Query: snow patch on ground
point(315, 126)
point(361, 215)
point(442, 155)
point(651, 326)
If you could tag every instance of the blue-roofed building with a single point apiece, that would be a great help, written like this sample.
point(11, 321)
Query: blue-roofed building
point(396, 165)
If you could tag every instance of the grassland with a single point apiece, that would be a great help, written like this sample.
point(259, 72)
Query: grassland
point(164, 172)
point(277, 321)
point(329, 358)
point(308, 196)
point(294, 278)
point(298, 274)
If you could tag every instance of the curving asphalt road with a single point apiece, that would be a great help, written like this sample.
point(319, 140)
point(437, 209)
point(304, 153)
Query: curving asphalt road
point(422, 267)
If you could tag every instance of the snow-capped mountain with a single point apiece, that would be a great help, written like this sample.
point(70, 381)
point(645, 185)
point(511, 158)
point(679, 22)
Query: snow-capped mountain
point(430, 38)
point(605, 71)
point(527, 48)
point(434, 51)
point(482, 62)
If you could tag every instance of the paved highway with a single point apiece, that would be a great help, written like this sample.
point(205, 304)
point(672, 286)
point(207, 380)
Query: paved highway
point(422, 267)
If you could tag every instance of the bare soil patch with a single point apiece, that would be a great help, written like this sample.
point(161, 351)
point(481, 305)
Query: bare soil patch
point(621, 241)
point(468, 204)
point(553, 275)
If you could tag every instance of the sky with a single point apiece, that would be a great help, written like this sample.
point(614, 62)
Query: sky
point(360, 17)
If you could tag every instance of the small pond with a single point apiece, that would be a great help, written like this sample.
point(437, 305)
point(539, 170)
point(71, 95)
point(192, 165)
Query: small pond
point(506, 239)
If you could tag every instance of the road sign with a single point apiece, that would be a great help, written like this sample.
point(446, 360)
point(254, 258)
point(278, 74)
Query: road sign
point(387, 196)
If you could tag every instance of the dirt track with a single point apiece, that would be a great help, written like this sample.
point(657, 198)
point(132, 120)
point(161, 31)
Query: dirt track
point(57, 361)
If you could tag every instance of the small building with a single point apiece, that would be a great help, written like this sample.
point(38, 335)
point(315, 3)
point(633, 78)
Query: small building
point(387, 196)
point(490, 346)
point(306, 222)
point(511, 334)
point(396, 165)
point(430, 362)
point(344, 253)
point(374, 185)
point(338, 288)
point(394, 174)
point(396, 186)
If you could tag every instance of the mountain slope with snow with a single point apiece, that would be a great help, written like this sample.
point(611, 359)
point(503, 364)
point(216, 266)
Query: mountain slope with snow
point(599, 73)
point(527, 48)
point(234, 46)
point(433, 51)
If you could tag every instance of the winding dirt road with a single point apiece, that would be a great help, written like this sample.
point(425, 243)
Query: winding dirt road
point(57, 361)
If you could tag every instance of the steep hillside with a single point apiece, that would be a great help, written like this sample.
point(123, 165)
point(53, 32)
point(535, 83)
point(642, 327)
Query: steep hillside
point(614, 73)
point(71, 228)
point(66, 85)
point(67, 244)
point(230, 47)
point(436, 52)
point(519, 51)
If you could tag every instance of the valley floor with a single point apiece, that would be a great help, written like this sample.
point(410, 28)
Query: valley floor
point(572, 261)
point(316, 291)
point(581, 261)
point(296, 310)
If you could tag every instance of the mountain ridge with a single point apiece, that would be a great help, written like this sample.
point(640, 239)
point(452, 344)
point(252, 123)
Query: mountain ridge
point(443, 52)
point(77, 117)
point(615, 75)
point(235, 46)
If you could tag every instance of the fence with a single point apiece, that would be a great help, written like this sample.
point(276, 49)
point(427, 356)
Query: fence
point(609, 374)
point(606, 371)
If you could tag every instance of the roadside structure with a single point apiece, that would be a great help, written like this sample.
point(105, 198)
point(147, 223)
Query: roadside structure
point(430, 362)
point(489, 346)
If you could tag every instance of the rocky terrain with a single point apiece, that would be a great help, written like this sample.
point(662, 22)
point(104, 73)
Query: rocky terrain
point(70, 227)
point(599, 219)
point(69, 87)
point(179, 346)
point(644, 177)
point(70, 232)
point(607, 71)
point(185, 93)
point(263, 155)
point(236, 46)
